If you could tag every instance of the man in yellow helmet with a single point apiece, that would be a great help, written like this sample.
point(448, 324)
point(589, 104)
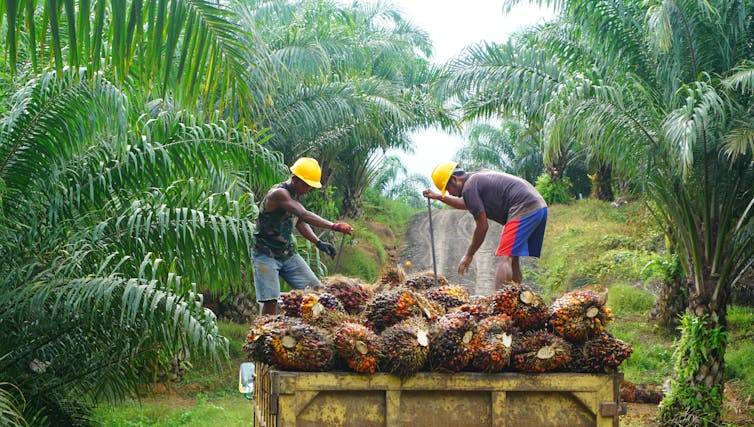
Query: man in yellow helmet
point(274, 253)
point(503, 198)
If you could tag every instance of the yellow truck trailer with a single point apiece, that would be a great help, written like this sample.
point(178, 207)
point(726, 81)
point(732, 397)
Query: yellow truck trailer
point(283, 398)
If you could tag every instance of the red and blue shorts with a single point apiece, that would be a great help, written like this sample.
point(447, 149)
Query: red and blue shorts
point(523, 236)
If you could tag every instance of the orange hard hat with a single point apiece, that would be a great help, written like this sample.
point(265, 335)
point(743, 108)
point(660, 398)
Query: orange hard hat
point(308, 170)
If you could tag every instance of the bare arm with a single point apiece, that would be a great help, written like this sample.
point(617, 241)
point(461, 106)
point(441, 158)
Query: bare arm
point(306, 231)
point(280, 198)
point(452, 201)
point(480, 232)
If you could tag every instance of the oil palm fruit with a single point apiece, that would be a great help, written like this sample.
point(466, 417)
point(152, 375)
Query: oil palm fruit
point(449, 349)
point(404, 347)
point(603, 353)
point(478, 306)
point(492, 345)
point(580, 315)
point(424, 281)
point(358, 346)
point(527, 309)
point(353, 295)
point(261, 331)
point(391, 307)
point(323, 310)
point(449, 295)
point(301, 347)
point(291, 303)
point(390, 277)
point(540, 351)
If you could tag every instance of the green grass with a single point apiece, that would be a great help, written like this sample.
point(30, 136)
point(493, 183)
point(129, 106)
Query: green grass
point(740, 351)
point(208, 392)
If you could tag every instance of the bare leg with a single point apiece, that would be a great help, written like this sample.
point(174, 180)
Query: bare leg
point(269, 307)
point(508, 271)
point(517, 276)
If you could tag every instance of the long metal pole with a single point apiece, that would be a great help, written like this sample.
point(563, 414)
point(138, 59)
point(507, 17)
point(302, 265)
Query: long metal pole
point(432, 238)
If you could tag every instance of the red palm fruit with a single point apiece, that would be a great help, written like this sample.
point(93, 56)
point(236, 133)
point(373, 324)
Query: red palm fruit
point(603, 353)
point(424, 281)
point(540, 351)
point(404, 347)
point(449, 295)
point(391, 307)
point(291, 303)
point(261, 331)
point(492, 345)
point(449, 349)
point(301, 347)
point(580, 315)
point(522, 304)
point(353, 295)
point(358, 346)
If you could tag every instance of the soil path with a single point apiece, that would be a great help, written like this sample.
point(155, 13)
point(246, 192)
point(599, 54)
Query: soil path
point(452, 234)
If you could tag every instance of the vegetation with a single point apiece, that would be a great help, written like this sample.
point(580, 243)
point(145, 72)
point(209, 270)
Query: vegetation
point(137, 136)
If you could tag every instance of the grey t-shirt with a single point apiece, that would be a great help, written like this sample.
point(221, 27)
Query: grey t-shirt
point(500, 195)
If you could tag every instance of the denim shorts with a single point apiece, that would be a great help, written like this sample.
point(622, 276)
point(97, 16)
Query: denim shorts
point(268, 270)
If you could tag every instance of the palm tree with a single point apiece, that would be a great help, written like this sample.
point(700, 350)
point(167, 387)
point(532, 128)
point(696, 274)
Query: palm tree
point(353, 80)
point(109, 227)
point(181, 49)
point(673, 112)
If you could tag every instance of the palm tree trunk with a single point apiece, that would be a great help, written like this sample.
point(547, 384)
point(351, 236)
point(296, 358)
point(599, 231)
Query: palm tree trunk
point(602, 183)
point(696, 398)
point(670, 303)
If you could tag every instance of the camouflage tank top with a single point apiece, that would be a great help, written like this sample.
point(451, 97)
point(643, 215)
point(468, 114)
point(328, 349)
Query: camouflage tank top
point(275, 229)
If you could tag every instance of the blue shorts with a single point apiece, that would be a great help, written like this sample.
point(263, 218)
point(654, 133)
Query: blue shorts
point(524, 236)
point(268, 270)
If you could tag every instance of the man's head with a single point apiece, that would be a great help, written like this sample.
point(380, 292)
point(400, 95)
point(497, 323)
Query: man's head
point(307, 170)
point(448, 177)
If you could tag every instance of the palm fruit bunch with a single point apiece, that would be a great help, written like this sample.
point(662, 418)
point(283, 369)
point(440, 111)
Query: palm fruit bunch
point(353, 295)
point(432, 310)
point(358, 346)
point(301, 347)
point(391, 307)
point(424, 281)
point(390, 277)
point(404, 347)
point(478, 306)
point(580, 315)
point(540, 351)
point(600, 354)
point(527, 309)
point(260, 333)
point(449, 295)
point(449, 348)
point(632, 393)
point(323, 310)
point(291, 303)
point(491, 346)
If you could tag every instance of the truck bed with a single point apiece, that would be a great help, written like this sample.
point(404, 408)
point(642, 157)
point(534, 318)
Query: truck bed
point(283, 398)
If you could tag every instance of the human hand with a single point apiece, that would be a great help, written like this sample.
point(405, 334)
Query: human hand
point(464, 266)
point(430, 194)
point(342, 227)
point(326, 248)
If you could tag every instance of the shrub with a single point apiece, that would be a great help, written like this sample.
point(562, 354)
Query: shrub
point(554, 191)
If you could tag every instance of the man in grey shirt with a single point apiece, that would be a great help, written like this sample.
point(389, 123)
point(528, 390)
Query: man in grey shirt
point(503, 198)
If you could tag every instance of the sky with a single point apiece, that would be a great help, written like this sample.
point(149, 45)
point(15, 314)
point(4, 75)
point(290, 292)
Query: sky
point(453, 25)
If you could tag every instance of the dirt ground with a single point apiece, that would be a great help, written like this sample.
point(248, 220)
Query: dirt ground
point(452, 231)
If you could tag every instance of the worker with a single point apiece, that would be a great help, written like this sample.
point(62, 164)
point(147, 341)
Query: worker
point(274, 254)
point(503, 198)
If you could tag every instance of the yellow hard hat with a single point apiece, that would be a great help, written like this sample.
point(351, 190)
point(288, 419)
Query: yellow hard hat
point(441, 174)
point(308, 170)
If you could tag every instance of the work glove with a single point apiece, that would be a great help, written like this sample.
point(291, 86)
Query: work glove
point(342, 227)
point(326, 248)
